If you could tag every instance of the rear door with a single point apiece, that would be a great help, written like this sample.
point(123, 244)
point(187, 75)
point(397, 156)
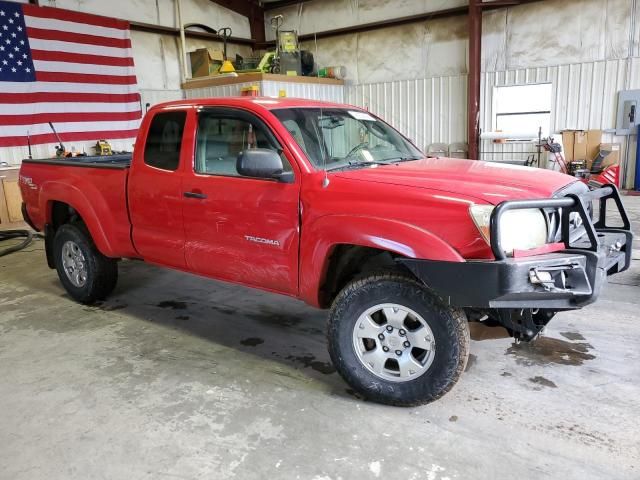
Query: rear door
point(155, 191)
point(239, 228)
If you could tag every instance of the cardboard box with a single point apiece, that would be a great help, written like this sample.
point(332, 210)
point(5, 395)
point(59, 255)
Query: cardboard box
point(614, 157)
point(567, 145)
point(581, 145)
point(594, 138)
point(205, 61)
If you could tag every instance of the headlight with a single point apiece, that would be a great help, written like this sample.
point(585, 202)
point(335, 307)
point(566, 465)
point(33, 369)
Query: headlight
point(481, 215)
point(519, 229)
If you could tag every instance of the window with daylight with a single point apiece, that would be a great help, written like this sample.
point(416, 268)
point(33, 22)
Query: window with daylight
point(523, 108)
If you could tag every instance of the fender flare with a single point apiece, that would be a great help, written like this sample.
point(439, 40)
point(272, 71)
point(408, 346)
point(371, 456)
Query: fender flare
point(53, 191)
point(327, 232)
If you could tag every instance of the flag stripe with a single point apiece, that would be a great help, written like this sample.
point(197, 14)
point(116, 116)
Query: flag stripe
point(74, 27)
point(85, 78)
point(81, 58)
point(69, 87)
point(45, 34)
point(81, 107)
point(19, 140)
point(40, 97)
point(56, 45)
point(68, 67)
point(41, 128)
point(40, 118)
point(68, 15)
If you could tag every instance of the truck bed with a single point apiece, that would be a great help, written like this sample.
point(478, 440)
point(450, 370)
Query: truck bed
point(98, 192)
point(93, 161)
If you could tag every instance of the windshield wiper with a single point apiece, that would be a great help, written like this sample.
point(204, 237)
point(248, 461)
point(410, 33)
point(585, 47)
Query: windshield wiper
point(402, 159)
point(352, 165)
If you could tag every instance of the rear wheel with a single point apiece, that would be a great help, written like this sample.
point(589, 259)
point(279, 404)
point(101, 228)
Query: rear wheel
point(395, 342)
point(85, 273)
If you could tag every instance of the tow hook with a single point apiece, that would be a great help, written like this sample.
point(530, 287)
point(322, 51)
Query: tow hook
point(545, 279)
point(552, 279)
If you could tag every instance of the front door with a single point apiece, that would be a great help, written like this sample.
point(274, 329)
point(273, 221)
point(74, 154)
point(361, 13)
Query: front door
point(237, 228)
point(155, 192)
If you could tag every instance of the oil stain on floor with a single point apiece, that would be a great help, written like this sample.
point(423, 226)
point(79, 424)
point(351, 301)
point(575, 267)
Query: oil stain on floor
point(545, 382)
point(173, 305)
point(547, 350)
point(310, 361)
point(252, 341)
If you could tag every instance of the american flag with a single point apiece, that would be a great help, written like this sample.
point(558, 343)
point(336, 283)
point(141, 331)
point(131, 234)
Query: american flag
point(69, 68)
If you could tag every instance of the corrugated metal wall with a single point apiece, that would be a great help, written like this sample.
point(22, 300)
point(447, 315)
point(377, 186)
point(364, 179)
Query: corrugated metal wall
point(330, 93)
point(425, 110)
point(434, 110)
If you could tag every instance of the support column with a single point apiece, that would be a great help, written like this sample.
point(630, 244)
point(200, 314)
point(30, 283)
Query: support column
point(473, 87)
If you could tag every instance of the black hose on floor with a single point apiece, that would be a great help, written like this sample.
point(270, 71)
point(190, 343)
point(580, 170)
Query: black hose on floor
point(11, 234)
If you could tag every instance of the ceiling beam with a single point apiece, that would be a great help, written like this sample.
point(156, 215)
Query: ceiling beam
point(282, 3)
point(162, 30)
point(394, 22)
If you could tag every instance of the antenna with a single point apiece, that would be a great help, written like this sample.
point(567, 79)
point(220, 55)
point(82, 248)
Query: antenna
point(315, 41)
point(29, 144)
point(325, 180)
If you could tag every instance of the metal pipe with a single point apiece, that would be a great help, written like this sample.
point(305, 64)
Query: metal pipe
point(183, 43)
point(175, 32)
point(473, 79)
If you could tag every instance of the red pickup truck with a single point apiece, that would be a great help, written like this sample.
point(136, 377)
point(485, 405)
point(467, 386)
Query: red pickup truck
point(329, 204)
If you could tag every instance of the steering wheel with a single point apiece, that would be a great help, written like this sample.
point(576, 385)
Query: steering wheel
point(356, 149)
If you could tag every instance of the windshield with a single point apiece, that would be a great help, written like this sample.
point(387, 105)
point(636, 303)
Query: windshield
point(335, 138)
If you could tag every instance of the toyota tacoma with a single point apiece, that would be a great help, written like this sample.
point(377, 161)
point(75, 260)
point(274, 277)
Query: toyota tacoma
point(329, 204)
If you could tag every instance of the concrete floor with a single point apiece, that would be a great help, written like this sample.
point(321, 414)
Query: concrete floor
point(180, 377)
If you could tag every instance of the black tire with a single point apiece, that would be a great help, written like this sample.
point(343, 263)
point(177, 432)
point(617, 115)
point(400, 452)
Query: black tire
point(101, 271)
point(448, 325)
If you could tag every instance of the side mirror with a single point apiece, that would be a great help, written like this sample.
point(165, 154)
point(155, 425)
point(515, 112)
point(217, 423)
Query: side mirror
point(262, 163)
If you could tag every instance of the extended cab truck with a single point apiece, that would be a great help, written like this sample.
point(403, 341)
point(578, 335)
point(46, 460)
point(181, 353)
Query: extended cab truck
point(327, 203)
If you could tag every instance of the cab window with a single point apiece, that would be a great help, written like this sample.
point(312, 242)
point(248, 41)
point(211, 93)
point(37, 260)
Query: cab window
point(221, 138)
point(164, 140)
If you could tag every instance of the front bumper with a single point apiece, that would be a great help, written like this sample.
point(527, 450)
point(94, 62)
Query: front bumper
point(567, 279)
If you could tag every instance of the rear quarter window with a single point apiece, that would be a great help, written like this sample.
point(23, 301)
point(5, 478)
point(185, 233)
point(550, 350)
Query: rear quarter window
point(164, 140)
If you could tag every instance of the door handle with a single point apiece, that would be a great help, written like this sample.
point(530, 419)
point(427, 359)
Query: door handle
point(195, 195)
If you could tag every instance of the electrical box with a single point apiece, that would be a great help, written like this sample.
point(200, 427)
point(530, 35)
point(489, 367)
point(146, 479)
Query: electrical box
point(628, 115)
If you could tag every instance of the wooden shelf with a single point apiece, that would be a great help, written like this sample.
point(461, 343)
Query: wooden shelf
point(216, 80)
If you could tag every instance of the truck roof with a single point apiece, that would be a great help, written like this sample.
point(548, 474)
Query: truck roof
point(269, 103)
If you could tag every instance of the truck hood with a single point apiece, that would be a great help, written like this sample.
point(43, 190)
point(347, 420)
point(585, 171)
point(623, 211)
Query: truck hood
point(487, 181)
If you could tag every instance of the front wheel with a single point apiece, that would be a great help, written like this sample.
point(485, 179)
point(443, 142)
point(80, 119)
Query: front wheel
point(395, 342)
point(85, 273)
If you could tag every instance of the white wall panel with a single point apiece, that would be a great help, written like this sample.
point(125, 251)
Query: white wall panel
point(431, 110)
point(153, 97)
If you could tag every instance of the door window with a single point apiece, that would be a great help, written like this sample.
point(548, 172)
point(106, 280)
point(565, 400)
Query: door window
point(220, 140)
point(164, 140)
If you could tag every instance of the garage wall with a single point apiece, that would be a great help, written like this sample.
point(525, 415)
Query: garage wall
point(549, 32)
point(588, 50)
